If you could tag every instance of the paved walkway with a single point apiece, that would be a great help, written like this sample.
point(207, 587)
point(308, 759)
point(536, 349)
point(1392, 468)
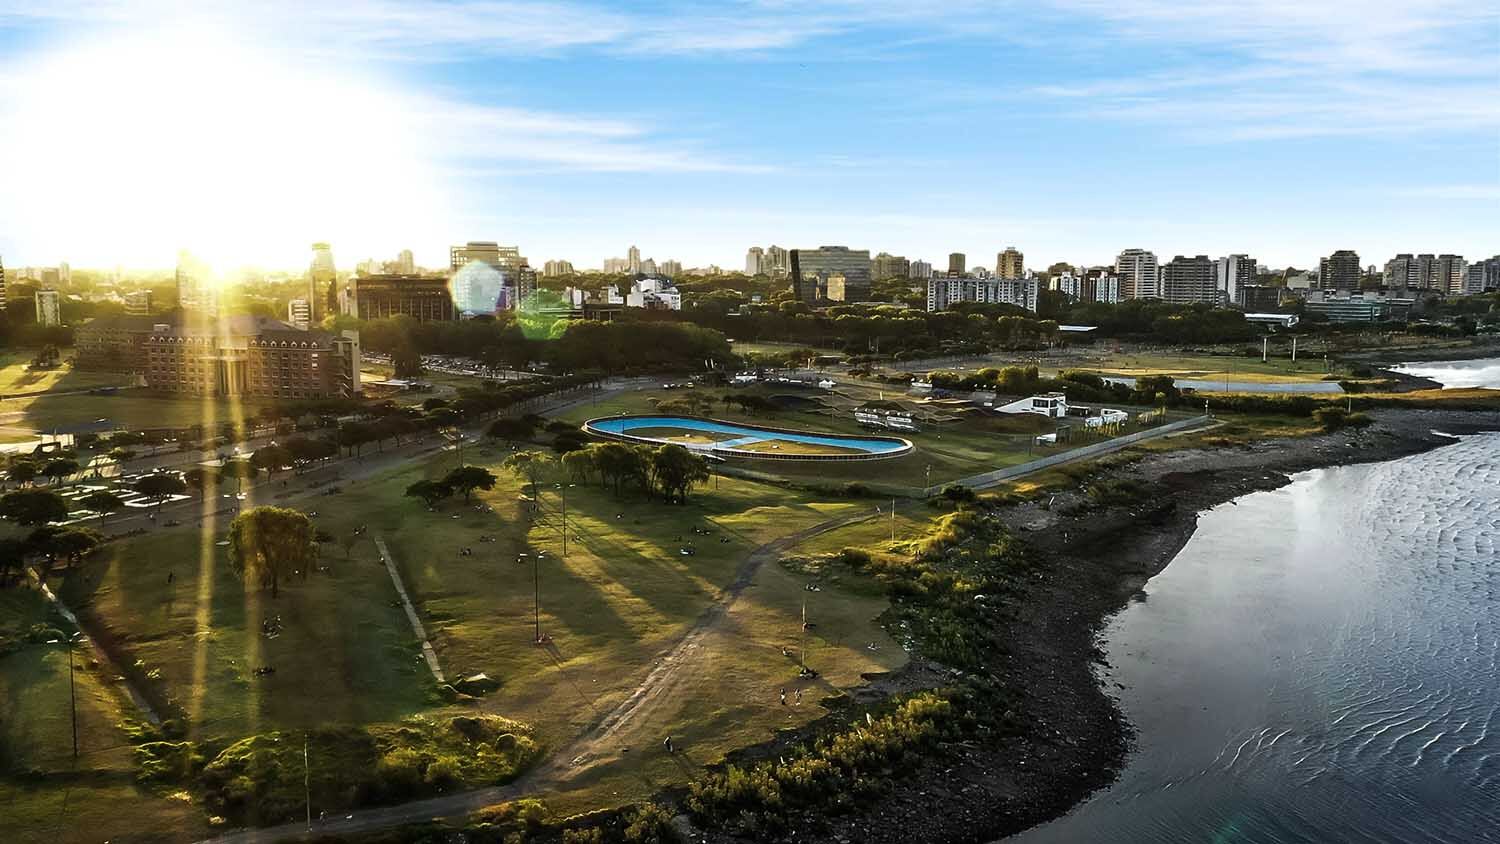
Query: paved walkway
point(411, 612)
point(999, 476)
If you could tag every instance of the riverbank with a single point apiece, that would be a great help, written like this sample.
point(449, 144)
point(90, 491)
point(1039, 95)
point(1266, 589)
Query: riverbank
point(1090, 561)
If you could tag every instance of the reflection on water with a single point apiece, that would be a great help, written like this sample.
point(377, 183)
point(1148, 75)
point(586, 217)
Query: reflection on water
point(1457, 373)
point(1319, 663)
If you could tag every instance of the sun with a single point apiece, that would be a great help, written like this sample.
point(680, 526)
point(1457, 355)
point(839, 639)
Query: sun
point(132, 148)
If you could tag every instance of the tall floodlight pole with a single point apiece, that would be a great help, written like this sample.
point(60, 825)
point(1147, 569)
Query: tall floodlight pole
point(73, 694)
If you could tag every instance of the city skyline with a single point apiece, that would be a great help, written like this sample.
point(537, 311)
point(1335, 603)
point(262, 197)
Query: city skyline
point(559, 120)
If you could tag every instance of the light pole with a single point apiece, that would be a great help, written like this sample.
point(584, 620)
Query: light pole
point(72, 687)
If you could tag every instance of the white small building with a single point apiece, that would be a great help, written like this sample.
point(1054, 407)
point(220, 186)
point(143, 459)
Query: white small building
point(1053, 405)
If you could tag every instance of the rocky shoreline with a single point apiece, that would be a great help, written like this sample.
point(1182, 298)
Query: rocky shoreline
point(1092, 560)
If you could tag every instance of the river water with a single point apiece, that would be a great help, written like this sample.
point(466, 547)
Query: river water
point(1483, 372)
point(1319, 663)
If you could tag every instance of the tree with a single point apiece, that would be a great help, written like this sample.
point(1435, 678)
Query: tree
point(676, 470)
point(429, 491)
point(202, 478)
point(59, 468)
point(615, 462)
point(512, 429)
point(469, 478)
point(531, 465)
point(13, 553)
point(102, 502)
point(268, 543)
point(21, 471)
point(70, 543)
point(159, 486)
point(406, 361)
point(271, 458)
point(31, 507)
point(579, 464)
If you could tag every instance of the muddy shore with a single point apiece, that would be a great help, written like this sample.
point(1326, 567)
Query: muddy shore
point(1091, 561)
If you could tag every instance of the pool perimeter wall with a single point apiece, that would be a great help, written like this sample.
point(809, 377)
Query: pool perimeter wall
point(901, 448)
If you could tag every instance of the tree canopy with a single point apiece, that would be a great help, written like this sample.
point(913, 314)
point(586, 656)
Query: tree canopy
point(33, 507)
point(269, 543)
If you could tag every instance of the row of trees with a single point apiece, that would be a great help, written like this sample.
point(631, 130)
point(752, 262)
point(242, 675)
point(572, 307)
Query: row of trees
point(633, 343)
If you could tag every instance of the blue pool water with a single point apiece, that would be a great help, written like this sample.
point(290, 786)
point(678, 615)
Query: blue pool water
point(744, 435)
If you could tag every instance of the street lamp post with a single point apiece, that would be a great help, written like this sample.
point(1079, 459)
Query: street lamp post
point(72, 686)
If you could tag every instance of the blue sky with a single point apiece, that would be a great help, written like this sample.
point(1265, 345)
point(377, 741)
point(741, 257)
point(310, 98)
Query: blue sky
point(1070, 129)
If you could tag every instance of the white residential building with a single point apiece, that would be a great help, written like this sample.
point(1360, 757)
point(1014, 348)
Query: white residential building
point(1233, 273)
point(1140, 277)
point(945, 291)
point(299, 314)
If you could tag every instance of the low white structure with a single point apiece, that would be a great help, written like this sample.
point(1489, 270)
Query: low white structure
point(657, 293)
point(895, 420)
point(1054, 405)
point(1106, 417)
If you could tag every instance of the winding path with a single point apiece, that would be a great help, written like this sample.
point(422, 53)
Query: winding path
point(588, 748)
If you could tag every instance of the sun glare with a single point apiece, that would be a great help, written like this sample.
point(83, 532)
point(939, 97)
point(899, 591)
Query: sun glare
point(183, 138)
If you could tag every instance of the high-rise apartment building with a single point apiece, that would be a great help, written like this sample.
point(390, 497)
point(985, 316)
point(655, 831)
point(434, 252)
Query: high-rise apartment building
point(2, 286)
point(888, 266)
point(196, 290)
point(1140, 277)
point(48, 307)
point(633, 259)
point(488, 277)
point(1010, 263)
point(853, 264)
point(957, 263)
point(322, 281)
point(1340, 271)
point(405, 263)
point(1482, 276)
point(1099, 284)
point(1402, 271)
point(1231, 274)
point(755, 260)
point(669, 268)
point(777, 261)
point(921, 270)
point(554, 269)
point(1189, 281)
point(945, 291)
point(1449, 274)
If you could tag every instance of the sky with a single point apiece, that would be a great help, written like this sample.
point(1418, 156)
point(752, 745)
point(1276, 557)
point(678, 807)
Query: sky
point(1070, 129)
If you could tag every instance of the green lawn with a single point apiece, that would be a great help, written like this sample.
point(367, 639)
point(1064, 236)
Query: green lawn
point(16, 377)
point(134, 409)
point(345, 652)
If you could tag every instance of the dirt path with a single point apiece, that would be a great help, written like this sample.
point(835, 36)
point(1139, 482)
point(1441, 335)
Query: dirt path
point(591, 747)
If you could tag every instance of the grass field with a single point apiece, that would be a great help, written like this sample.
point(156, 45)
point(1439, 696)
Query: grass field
point(15, 377)
point(345, 652)
point(61, 801)
point(1208, 367)
point(131, 410)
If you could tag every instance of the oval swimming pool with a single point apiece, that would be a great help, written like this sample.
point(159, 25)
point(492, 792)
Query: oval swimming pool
point(735, 439)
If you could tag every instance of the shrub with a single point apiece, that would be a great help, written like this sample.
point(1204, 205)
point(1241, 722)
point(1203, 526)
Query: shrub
point(649, 823)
